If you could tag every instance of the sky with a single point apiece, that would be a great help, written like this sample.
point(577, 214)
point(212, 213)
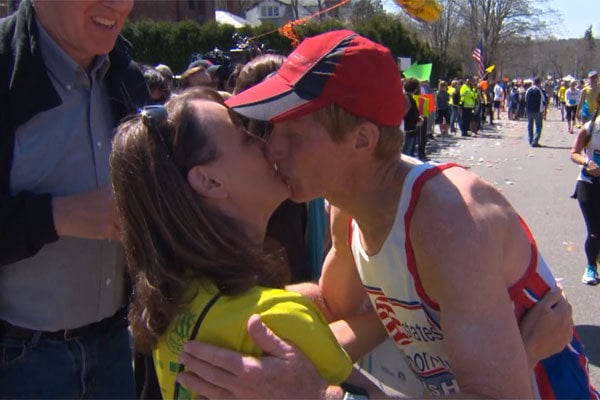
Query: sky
point(577, 16)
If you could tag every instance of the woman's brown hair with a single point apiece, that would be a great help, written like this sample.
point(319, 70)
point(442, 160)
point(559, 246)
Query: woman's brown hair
point(171, 235)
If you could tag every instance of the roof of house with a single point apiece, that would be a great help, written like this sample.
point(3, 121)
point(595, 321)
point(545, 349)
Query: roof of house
point(224, 17)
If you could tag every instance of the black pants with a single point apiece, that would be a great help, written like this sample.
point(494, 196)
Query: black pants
point(588, 196)
point(146, 381)
point(422, 139)
point(467, 114)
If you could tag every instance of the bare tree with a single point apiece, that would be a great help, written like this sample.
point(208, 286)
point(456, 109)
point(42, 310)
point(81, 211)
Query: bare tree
point(363, 9)
point(555, 59)
point(442, 33)
point(498, 21)
point(589, 38)
point(463, 23)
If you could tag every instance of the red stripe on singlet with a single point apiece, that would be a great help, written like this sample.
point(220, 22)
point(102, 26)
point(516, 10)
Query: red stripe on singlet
point(531, 281)
point(410, 254)
point(544, 384)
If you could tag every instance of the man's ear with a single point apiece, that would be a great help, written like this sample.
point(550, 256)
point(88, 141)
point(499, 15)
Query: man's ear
point(203, 183)
point(366, 136)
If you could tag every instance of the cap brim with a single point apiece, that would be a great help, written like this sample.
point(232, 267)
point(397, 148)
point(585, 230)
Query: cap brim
point(274, 100)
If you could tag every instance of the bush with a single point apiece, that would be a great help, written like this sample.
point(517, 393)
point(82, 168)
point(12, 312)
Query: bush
point(174, 43)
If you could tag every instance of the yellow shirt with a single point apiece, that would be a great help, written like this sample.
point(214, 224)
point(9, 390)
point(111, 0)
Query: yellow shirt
point(289, 315)
point(590, 94)
point(561, 94)
point(451, 90)
point(468, 96)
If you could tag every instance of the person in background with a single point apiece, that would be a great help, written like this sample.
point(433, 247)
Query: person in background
point(468, 101)
point(572, 96)
point(498, 98)
point(218, 75)
point(535, 103)
point(485, 94)
point(399, 245)
point(522, 87)
point(513, 102)
point(560, 98)
point(67, 78)
point(196, 75)
point(425, 130)
point(587, 106)
point(586, 152)
point(158, 85)
point(453, 91)
point(476, 119)
point(412, 117)
point(442, 107)
point(194, 193)
point(166, 71)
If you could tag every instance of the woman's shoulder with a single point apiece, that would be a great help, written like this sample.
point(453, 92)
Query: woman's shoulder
point(260, 299)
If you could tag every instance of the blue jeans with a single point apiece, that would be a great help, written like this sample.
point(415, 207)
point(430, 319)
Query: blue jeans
point(534, 118)
point(97, 366)
point(410, 142)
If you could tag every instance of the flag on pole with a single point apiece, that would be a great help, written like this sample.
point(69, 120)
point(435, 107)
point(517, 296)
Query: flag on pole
point(478, 57)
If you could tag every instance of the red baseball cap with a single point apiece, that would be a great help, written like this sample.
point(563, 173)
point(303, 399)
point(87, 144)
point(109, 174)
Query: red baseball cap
point(338, 67)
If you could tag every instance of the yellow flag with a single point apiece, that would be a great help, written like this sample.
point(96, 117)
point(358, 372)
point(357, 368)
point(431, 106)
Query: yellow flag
point(490, 68)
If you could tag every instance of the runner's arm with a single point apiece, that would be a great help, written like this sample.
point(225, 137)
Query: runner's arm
point(340, 283)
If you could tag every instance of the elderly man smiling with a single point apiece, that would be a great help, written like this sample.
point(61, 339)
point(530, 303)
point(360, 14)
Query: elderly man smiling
point(66, 79)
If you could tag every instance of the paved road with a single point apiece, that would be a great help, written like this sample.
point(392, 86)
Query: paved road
point(538, 182)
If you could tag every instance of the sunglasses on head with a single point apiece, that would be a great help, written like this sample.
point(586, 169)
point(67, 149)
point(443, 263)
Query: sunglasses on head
point(154, 117)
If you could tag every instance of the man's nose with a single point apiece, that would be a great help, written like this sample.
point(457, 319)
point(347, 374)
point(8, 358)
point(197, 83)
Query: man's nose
point(273, 146)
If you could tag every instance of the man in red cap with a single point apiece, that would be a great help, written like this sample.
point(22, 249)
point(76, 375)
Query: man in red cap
point(448, 265)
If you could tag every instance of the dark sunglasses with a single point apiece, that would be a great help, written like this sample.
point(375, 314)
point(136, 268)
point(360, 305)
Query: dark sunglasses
point(153, 117)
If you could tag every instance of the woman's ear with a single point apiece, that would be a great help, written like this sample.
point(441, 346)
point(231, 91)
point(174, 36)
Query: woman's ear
point(366, 136)
point(204, 184)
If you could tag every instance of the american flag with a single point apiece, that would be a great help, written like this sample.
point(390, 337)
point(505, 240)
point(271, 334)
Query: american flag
point(478, 57)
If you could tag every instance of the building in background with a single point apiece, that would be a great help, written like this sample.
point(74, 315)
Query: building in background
point(252, 12)
point(173, 10)
point(279, 12)
point(158, 10)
